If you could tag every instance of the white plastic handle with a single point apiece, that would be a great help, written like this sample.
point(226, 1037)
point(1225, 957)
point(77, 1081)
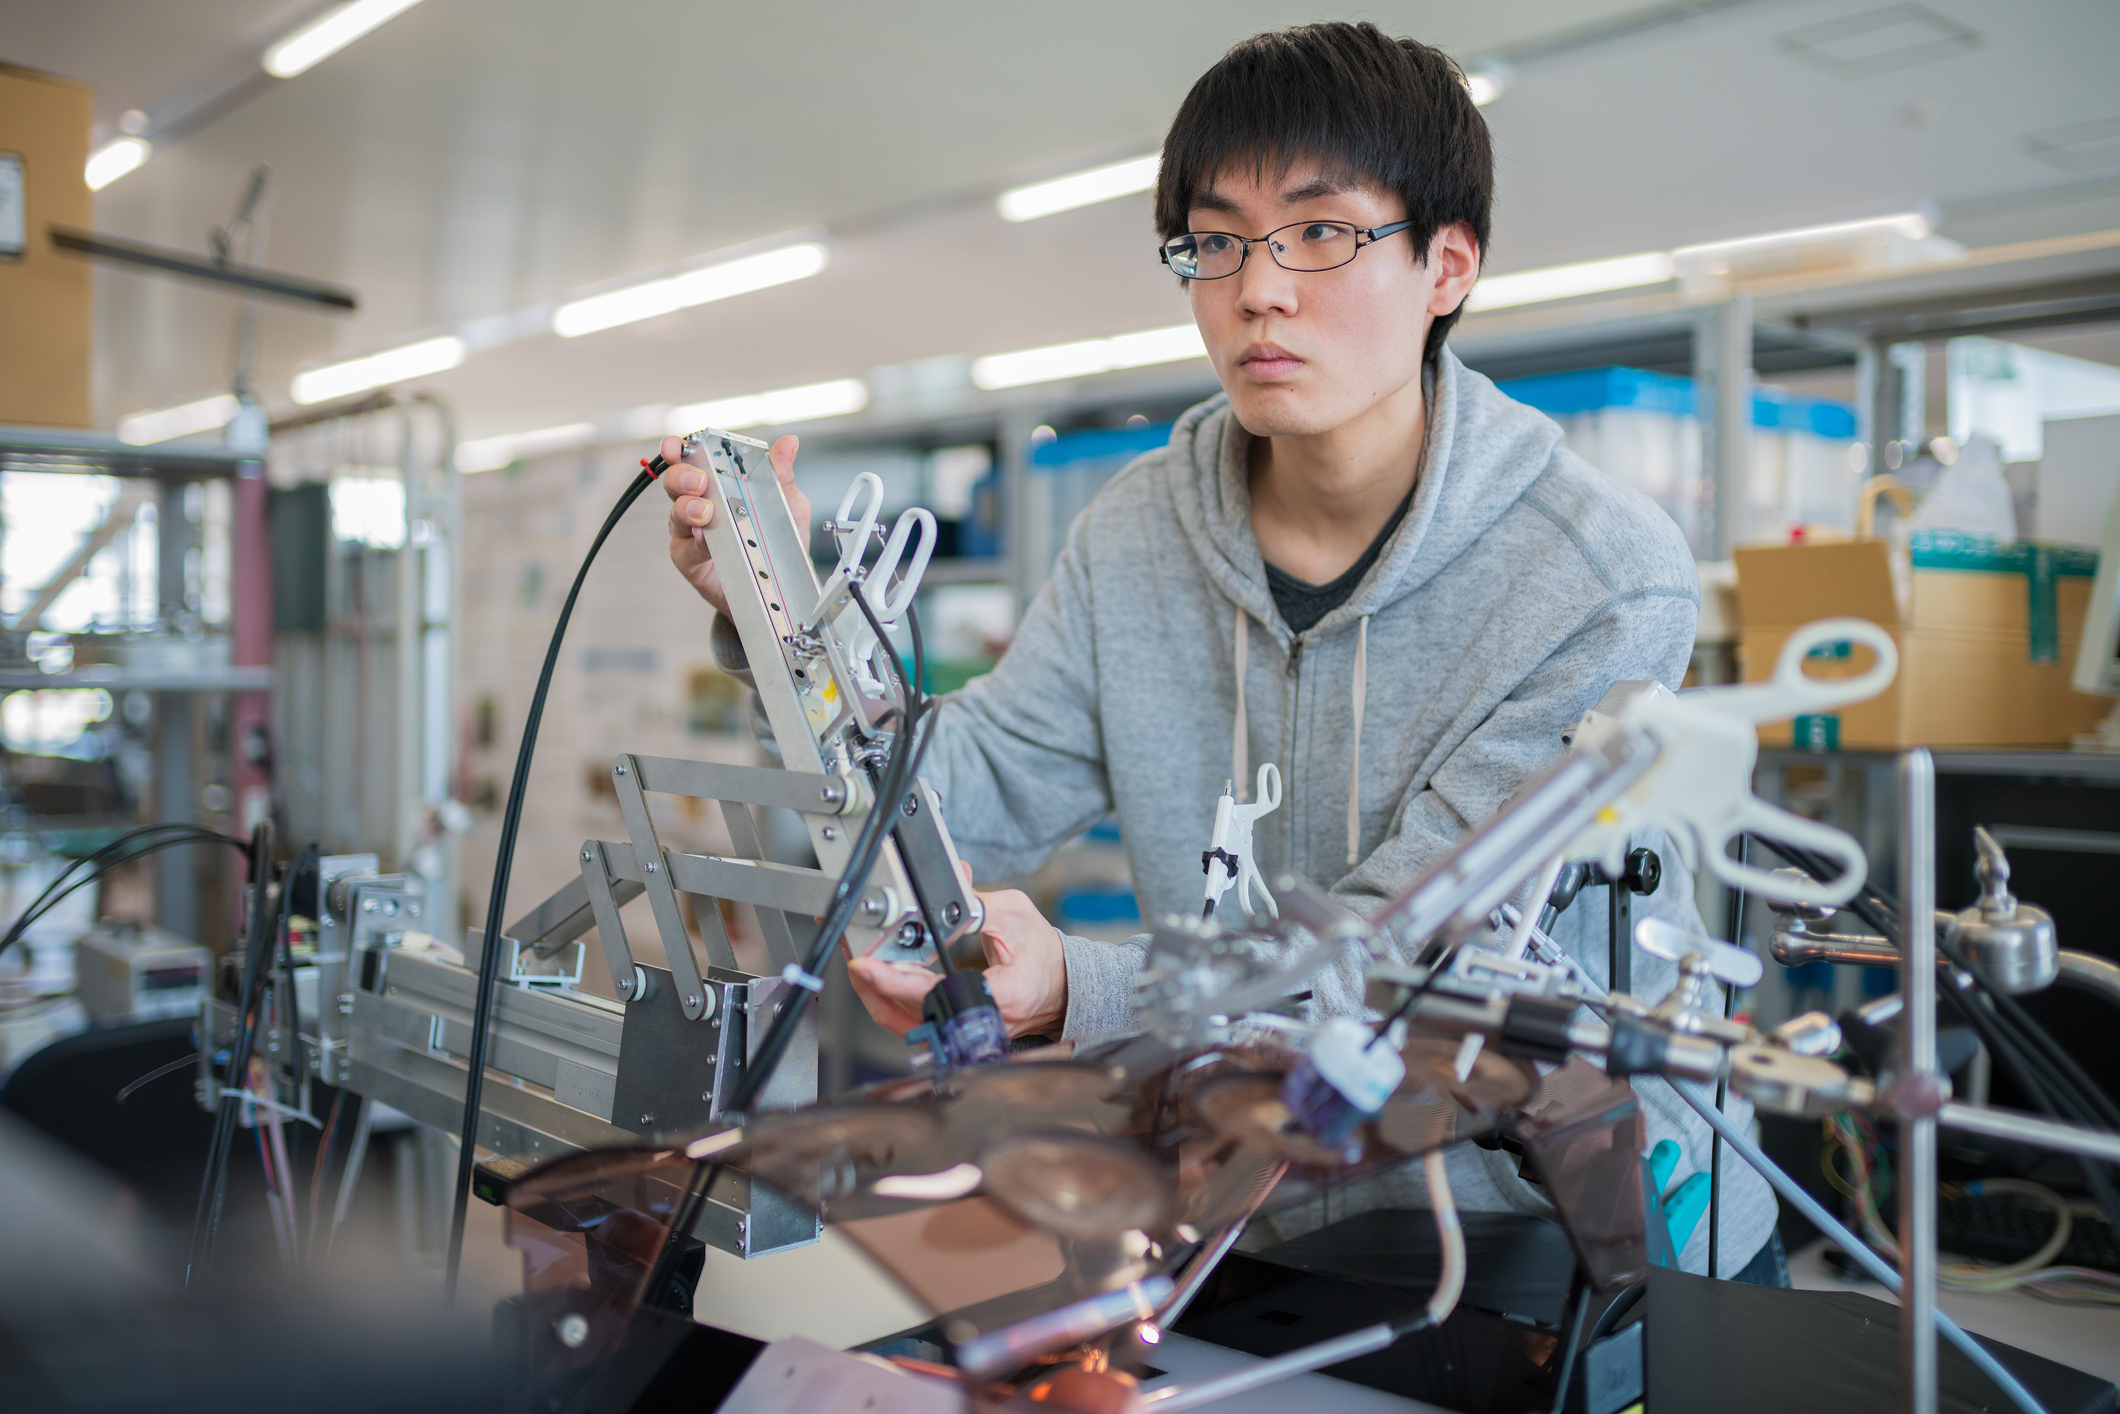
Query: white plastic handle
point(888, 602)
point(855, 543)
point(1268, 794)
point(1739, 967)
point(1771, 822)
point(1791, 691)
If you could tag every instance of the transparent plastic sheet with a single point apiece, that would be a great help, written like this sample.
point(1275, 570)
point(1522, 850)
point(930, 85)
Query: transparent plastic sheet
point(590, 1227)
point(1584, 1130)
point(1046, 1212)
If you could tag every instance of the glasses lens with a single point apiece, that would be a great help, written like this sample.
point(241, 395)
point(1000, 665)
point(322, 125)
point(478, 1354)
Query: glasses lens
point(1313, 245)
point(1205, 255)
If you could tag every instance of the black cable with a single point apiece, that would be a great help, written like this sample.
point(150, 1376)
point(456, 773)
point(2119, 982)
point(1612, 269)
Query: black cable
point(47, 900)
point(1722, 1083)
point(206, 1220)
point(504, 860)
point(1574, 1346)
point(899, 769)
point(917, 706)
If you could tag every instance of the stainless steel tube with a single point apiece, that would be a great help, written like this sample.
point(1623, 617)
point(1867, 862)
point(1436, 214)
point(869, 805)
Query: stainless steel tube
point(1266, 1372)
point(2092, 973)
point(2031, 1129)
point(1917, 1081)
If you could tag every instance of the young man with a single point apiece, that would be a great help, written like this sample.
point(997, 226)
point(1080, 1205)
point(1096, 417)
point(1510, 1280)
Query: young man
point(1361, 562)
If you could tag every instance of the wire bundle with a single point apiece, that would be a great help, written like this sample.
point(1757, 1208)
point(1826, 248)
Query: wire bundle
point(2064, 1285)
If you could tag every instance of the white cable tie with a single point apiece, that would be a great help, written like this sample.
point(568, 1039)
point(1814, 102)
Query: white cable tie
point(794, 976)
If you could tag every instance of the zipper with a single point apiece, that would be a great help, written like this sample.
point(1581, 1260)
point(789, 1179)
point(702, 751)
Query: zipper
point(1295, 657)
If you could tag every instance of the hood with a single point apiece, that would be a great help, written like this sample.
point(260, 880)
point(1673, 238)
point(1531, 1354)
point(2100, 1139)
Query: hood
point(1484, 452)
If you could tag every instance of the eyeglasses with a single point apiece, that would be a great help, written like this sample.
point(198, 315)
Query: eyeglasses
point(1313, 246)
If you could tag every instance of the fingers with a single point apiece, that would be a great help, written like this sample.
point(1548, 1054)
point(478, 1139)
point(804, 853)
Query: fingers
point(891, 991)
point(782, 455)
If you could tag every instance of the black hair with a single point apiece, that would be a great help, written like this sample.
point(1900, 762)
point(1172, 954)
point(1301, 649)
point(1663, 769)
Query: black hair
point(1394, 113)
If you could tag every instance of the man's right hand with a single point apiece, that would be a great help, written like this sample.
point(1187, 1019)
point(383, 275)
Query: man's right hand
point(691, 512)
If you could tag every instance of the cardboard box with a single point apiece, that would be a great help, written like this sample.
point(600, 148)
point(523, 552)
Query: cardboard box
point(45, 311)
point(1986, 637)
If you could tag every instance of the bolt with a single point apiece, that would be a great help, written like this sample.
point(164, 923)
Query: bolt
point(573, 1329)
point(912, 805)
point(651, 867)
point(587, 856)
point(832, 794)
point(625, 987)
point(953, 913)
point(830, 833)
point(413, 909)
point(620, 769)
point(691, 1001)
point(647, 1119)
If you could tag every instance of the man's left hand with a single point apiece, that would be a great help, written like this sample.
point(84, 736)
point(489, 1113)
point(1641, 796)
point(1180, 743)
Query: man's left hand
point(1026, 971)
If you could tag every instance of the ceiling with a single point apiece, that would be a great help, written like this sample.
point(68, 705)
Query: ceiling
point(473, 159)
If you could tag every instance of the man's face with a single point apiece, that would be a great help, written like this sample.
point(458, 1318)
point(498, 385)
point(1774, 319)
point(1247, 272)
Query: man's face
point(1307, 352)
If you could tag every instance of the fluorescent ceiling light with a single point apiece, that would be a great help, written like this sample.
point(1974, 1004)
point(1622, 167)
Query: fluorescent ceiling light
point(1012, 370)
point(1911, 225)
point(812, 400)
point(1081, 189)
point(1591, 277)
point(1489, 81)
point(492, 453)
point(357, 375)
point(712, 282)
point(329, 33)
point(185, 420)
point(114, 159)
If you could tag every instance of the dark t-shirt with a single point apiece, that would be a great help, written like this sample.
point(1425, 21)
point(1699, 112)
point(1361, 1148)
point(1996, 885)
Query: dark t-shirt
point(1302, 605)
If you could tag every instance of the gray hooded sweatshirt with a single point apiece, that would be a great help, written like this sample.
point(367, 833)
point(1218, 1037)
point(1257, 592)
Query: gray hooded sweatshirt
point(1153, 667)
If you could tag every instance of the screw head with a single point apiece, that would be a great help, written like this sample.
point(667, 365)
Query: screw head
point(619, 769)
point(832, 794)
point(647, 1119)
point(953, 913)
point(830, 833)
point(912, 805)
point(691, 1001)
point(587, 856)
point(573, 1329)
point(625, 987)
point(651, 866)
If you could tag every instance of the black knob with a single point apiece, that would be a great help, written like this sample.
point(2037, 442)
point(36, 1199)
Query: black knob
point(1644, 871)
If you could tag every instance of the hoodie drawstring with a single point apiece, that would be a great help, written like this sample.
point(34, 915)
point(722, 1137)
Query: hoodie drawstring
point(1354, 772)
point(1240, 746)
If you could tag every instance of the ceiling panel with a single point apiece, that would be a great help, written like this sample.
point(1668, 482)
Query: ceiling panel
point(474, 157)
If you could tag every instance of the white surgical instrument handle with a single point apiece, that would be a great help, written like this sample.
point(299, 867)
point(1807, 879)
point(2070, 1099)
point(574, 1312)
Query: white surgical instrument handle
point(887, 603)
point(1791, 690)
point(854, 540)
point(1757, 817)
